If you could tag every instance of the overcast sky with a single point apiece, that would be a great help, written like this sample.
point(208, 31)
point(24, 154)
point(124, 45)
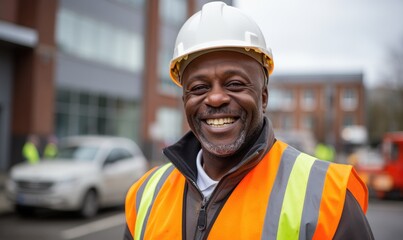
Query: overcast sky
point(327, 36)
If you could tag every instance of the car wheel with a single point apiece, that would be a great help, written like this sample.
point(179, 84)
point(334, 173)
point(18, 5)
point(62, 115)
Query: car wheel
point(24, 211)
point(89, 207)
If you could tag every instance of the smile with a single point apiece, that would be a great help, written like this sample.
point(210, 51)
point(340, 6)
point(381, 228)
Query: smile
point(220, 122)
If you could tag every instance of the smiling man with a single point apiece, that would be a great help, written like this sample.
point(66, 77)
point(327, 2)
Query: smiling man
point(229, 178)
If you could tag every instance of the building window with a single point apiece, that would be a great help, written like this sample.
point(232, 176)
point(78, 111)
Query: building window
point(308, 101)
point(81, 113)
point(173, 11)
point(136, 3)
point(288, 100)
point(348, 120)
point(275, 99)
point(281, 99)
point(99, 41)
point(169, 124)
point(167, 85)
point(349, 99)
point(288, 122)
point(308, 122)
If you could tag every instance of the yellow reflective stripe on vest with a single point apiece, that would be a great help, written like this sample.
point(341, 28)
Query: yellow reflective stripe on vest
point(146, 199)
point(293, 203)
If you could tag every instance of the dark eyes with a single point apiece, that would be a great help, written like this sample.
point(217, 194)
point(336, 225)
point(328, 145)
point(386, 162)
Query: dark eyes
point(201, 88)
point(235, 84)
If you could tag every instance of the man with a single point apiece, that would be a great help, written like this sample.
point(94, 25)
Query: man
point(324, 151)
point(30, 149)
point(229, 178)
point(50, 150)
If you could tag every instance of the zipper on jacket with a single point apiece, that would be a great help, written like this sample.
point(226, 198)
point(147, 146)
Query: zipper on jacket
point(202, 218)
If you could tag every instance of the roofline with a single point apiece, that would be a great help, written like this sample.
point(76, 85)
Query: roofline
point(317, 78)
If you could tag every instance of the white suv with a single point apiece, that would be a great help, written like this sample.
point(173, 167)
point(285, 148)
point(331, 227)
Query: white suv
point(89, 172)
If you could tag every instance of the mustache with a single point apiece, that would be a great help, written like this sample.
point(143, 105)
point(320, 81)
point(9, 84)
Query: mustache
point(221, 110)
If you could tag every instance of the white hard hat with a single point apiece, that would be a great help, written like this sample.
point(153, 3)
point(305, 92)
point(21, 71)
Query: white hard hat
point(218, 27)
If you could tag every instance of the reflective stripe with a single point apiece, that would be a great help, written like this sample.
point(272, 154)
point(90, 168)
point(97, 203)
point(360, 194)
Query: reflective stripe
point(312, 200)
point(291, 211)
point(299, 178)
point(276, 198)
point(148, 196)
point(141, 190)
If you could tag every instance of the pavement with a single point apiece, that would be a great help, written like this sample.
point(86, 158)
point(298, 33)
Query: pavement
point(5, 206)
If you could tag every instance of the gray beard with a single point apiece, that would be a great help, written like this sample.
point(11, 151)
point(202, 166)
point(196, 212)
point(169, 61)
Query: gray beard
point(223, 149)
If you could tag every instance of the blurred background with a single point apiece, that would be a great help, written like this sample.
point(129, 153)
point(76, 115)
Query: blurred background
point(100, 67)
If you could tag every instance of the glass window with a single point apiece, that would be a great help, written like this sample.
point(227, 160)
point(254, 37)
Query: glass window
point(308, 122)
point(114, 53)
point(349, 99)
point(169, 124)
point(118, 154)
point(275, 99)
point(288, 100)
point(308, 99)
point(138, 3)
point(288, 122)
point(77, 153)
point(63, 96)
point(99, 41)
point(62, 124)
point(104, 42)
point(88, 113)
point(66, 27)
point(167, 86)
point(86, 37)
point(348, 120)
point(281, 99)
point(173, 11)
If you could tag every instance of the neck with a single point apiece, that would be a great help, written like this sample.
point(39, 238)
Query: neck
point(217, 166)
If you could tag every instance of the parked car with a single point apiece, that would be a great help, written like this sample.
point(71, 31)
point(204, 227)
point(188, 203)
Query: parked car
point(89, 172)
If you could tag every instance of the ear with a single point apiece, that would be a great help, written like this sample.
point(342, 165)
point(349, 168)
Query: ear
point(265, 97)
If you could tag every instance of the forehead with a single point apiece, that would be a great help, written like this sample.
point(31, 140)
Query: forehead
point(222, 60)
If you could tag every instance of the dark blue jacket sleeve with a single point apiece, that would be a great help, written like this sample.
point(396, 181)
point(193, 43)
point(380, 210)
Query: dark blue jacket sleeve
point(353, 223)
point(127, 235)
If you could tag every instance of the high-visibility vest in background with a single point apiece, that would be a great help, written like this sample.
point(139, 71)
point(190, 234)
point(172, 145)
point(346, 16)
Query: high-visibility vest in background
point(30, 153)
point(50, 150)
point(324, 152)
point(307, 201)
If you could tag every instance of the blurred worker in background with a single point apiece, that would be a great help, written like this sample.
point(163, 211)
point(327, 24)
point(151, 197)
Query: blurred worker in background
point(30, 149)
point(50, 150)
point(229, 178)
point(324, 152)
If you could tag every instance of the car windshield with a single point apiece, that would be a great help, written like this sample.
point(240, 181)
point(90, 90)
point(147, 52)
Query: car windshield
point(78, 153)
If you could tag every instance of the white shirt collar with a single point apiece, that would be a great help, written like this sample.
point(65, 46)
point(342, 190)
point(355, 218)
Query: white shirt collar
point(204, 182)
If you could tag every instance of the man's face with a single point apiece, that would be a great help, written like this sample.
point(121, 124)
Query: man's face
point(224, 96)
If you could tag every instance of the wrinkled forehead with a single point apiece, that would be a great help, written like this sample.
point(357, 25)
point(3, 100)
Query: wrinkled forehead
point(230, 59)
point(235, 52)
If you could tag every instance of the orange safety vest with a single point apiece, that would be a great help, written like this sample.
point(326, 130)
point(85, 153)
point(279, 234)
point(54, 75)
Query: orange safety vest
point(307, 200)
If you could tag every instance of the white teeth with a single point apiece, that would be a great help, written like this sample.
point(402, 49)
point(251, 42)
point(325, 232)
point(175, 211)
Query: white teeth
point(220, 122)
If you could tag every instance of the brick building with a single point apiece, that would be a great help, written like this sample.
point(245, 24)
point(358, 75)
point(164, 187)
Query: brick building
point(89, 67)
point(321, 103)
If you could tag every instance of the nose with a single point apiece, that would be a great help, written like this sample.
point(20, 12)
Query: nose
point(217, 96)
